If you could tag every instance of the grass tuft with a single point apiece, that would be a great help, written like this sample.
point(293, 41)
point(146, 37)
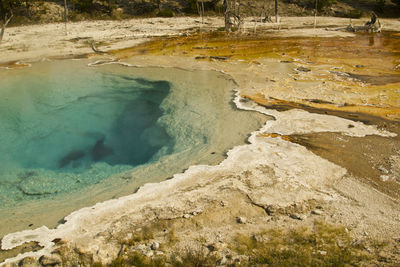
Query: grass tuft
point(193, 257)
point(324, 245)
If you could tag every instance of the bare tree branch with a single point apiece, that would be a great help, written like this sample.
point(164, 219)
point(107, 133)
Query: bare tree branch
point(94, 48)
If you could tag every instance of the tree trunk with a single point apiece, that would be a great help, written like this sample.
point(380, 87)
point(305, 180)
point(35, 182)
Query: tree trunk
point(3, 27)
point(28, 8)
point(238, 11)
point(65, 11)
point(65, 16)
point(315, 15)
point(226, 15)
point(202, 12)
point(276, 11)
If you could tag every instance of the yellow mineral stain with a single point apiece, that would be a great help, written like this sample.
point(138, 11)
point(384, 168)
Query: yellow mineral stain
point(362, 72)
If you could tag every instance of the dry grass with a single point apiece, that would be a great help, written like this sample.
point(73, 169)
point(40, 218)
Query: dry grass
point(324, 245)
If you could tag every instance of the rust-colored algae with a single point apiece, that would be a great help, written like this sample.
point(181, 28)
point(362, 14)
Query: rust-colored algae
point(352, 112)
point(14, 65)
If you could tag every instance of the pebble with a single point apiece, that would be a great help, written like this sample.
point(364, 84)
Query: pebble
point(383, 169)
point(155, 246)
point(241, 220)
point(186, 216)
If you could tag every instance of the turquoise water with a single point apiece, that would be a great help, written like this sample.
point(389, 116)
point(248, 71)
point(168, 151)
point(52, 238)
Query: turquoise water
point(73, 135)
point(63, 128)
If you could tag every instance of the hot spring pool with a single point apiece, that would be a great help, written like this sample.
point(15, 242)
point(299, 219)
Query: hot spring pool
point(72, 135)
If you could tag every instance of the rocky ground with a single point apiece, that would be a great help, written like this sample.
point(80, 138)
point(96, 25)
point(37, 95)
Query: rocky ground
point(318, 184)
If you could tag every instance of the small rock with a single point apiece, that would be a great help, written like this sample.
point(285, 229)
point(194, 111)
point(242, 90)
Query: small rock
point(383, 169)
point(215, 247)
point(155, 246)
point(186, 216)
point(296, 216)
point(197, 212)
point(241, 220)
point(50, 260)
point(241, 259)
point(219, 237)
point(159, 253)
point(223, 203)
point(317, 212)
point(322, 252)
point(303, 69)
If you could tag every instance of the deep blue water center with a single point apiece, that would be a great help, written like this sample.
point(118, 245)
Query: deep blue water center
point(64, 128)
